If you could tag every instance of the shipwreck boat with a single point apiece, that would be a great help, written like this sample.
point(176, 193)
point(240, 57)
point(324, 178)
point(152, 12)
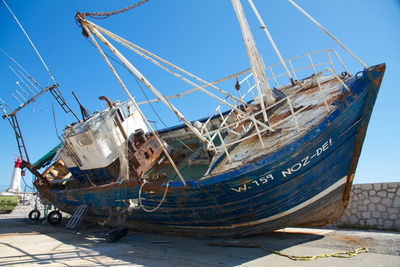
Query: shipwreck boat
point(275, 157)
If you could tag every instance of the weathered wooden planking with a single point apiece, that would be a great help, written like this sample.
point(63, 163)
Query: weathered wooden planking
point(301, 183)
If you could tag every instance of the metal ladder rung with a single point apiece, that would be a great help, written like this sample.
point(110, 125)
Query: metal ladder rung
point(76, 218)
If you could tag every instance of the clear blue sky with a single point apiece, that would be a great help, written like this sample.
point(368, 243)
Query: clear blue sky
point(204, 37)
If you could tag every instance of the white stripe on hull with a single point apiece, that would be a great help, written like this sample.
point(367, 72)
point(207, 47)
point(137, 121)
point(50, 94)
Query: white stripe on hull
point(279, 215)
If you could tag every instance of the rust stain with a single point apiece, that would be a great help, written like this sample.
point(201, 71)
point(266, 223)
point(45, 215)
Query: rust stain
point(352, 240)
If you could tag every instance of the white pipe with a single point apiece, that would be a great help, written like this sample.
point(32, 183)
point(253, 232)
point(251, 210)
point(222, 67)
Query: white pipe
point(270, 39)
point(147, 83)
point(29, 39)
point(17, 98)
point(17, 83)
point(250, 47)
point(330, 35)
point(197, 87)
point(21, 95)
point(6, 106)
point(21, 80)
point(128, 93)
point(132, 46)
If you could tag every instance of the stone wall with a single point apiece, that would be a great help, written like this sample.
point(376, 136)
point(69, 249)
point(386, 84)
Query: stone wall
point(373, 205)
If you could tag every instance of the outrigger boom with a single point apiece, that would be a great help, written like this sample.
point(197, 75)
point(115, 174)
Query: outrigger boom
point(279, 156)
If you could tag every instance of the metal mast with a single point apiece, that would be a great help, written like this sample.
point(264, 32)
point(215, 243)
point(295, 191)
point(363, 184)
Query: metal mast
point(257, 64)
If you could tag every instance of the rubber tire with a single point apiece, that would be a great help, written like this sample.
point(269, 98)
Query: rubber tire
point(54, 217)
point(34, 215)
point(116, 234)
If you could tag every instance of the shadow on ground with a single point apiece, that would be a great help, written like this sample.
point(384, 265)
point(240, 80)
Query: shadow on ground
point(55, 244)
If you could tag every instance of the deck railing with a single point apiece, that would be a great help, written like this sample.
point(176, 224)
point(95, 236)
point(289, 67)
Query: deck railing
point(236, 127)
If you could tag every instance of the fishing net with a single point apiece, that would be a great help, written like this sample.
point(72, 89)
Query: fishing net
point(99, 143)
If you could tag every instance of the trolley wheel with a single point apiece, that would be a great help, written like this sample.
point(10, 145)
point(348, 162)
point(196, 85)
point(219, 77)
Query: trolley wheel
point(54, 217)
point(34, 215)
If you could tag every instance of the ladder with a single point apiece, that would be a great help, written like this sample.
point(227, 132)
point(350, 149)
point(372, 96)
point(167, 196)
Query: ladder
point(76, 218)
point(60, 99)
point(12, 117)
point(18, 135)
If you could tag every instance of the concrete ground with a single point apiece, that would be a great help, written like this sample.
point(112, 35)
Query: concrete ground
point(26, 244)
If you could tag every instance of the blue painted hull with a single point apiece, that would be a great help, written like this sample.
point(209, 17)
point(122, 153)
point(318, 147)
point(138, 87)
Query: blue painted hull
point(305, 183)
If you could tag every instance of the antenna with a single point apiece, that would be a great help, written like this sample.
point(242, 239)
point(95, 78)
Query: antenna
point(12, 119)
point(30, 41)
point(85, 113)
point(5, 104)
point(29, 80)
point(20, 94)
point(21, 80)
point(55, 90)
point(16, 63)
point(17, 99)
point(17, 83)
point(328, 33)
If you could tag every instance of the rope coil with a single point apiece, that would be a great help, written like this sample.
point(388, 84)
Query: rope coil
point(341, 254)
point(159, 204)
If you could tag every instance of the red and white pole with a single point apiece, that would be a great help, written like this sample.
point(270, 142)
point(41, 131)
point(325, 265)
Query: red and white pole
point(15, 185)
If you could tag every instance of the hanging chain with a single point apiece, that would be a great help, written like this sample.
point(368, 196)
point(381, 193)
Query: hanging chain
point(103, 15)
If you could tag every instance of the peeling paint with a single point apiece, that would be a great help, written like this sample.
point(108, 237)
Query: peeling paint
point(319, 162)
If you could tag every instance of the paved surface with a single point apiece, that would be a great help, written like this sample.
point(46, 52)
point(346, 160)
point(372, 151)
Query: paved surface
point(26, 244)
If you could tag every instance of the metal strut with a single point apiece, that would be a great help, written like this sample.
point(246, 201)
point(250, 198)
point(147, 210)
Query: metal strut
point(18, 135)
point(12, 119)
point(256, 62)
point(89, 30)
point(60, 100)
point(54, 91)
point(12, 116)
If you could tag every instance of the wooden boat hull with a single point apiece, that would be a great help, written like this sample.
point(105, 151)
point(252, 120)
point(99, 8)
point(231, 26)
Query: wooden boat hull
point(305, 183)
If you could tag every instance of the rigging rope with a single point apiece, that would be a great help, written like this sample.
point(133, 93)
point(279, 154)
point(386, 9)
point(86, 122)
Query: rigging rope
point(154, 110)
point(30, 41)
point(103, 15)
point(342, 254)
point(26, 185)
point(159, 204)
point(30, 77)
point(145, 95)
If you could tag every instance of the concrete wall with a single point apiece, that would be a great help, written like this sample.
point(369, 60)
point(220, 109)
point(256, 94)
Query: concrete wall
point(376, 205)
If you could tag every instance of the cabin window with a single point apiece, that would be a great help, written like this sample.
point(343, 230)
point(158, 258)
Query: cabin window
point(84, 140)
point(120, 116)
point(126, 111)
